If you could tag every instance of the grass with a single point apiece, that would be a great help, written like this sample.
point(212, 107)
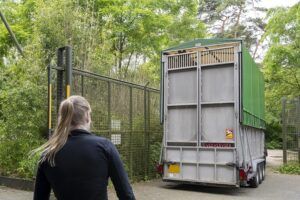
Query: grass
point(290, 168)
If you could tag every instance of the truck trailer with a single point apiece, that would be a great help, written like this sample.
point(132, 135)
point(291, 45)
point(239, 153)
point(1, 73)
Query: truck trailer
point(212, 110)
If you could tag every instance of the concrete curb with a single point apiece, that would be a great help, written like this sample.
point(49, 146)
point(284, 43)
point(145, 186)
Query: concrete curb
point(17, 183)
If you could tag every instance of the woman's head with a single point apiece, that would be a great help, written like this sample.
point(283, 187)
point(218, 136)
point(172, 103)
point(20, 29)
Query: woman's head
point(74, 113)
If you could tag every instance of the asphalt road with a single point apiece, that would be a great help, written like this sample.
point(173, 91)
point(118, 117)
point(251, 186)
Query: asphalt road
point(275, 186)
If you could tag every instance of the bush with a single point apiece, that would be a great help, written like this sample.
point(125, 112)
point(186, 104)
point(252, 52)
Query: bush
point(23, 118)
point(290, 168)
point(273, 135)
point(273, 145)
point(14, 157)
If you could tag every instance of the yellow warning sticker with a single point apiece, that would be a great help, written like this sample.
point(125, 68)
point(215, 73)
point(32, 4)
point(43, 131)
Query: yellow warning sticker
point(174, 168)
point(229, 133)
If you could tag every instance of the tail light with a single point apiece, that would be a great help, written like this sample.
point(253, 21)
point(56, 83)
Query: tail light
point(243, 175)
point(160, 169)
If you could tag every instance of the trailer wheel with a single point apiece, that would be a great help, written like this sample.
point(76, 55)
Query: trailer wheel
point(263, 169)
point(260, 172)
point(254, 182)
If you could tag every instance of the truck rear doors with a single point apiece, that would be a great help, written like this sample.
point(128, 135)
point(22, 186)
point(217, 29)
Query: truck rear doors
point(201, 115)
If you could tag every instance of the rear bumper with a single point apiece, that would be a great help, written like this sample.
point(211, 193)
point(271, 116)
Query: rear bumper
point(206, 183)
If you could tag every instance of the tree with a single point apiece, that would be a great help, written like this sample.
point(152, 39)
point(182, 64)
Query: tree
point(139, 30)
point(281, 64)
point(111, 37)
point(19, 19)
point(235, 19)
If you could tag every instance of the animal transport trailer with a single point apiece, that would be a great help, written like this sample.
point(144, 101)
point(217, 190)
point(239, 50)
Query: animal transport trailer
point(212, 108)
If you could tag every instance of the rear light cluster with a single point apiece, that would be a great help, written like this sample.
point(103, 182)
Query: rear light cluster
point(243, 175)
point(160, 168)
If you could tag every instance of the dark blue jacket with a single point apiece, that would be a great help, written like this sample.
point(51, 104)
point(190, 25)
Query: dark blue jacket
point(82, 168)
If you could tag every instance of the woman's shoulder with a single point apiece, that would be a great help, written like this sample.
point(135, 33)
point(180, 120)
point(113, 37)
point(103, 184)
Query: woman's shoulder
point(91, 137)
point(100, 140)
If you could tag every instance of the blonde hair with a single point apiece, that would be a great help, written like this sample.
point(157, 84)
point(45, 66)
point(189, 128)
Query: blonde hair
point(73, 112)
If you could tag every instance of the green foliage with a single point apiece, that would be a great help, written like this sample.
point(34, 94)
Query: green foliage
point(290, 168)
point(281, 64)
point(28, 167)
point(23, 119)
point(116, 38)
point(273, 144)
point(273, 135)
point(19, 19)
point(155, 150)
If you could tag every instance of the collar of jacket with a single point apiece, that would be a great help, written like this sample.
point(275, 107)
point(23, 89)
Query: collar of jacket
point(79, 132)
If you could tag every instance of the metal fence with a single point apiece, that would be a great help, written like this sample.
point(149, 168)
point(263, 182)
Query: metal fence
point(291, 130)
point(124, 112)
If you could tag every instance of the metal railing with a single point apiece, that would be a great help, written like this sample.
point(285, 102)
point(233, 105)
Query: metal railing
point(124, 112)
point(206, 57)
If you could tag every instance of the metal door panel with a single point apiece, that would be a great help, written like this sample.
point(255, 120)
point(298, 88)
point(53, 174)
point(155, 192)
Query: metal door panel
point(189, 171)
point(206, 173)
point(215, 121)
point(182, 87)
point(189, 155)
point(182, 125)
point(225, 174)
point(217, 84)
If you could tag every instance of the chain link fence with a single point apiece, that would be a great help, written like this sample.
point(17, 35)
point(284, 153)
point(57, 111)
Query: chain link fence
point(291, 130)
point(125, 113)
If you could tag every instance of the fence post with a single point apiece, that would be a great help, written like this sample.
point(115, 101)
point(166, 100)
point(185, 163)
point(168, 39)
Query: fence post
point(49, 101)
point(109, 107)
point(68, 68)
point(145, 131)
point(298, 126)
point(59, 84)
point(82, 85)
point(284, 130)
point(130, 134)
point(148, 133)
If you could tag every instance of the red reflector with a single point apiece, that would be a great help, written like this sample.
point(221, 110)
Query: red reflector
point(243, 175)
point(160, 168)
point(223, 145)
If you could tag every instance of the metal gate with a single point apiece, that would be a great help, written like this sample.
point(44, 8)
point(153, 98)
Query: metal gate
point(291, 130)
point(124, 112)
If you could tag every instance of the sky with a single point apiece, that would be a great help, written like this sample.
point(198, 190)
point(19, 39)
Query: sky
point(276, 3)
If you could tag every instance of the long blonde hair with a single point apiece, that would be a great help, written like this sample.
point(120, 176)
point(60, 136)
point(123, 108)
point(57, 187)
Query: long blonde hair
point(73, 112)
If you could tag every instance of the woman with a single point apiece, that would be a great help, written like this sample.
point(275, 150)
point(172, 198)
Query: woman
point(77, 164)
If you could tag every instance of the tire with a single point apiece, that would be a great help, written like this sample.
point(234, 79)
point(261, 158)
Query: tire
point(260, 172)
point(263, 170)
point(254, 182)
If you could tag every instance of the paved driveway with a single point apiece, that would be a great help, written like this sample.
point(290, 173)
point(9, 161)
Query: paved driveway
point(276, 186)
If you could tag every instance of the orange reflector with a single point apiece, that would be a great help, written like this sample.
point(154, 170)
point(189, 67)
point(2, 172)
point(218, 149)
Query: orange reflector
point(229, 133)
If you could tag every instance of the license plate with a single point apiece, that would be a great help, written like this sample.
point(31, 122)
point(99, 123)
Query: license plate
point(174, 168)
